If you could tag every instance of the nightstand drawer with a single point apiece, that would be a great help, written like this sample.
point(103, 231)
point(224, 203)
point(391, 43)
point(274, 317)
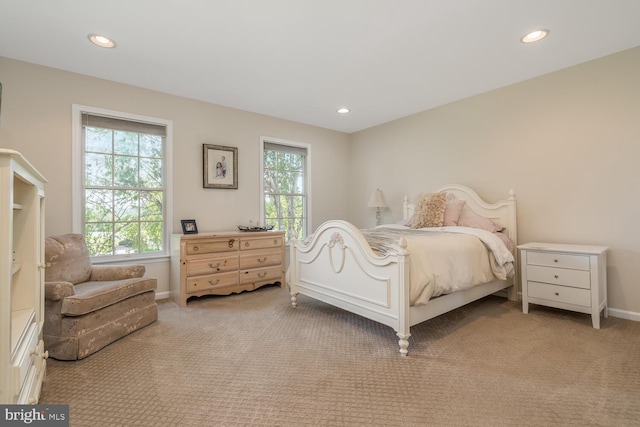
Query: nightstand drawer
point(559, 276)
point(575, 262)
point(562, 294)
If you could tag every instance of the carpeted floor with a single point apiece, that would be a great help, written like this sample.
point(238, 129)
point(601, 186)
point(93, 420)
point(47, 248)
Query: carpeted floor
point(252, 359)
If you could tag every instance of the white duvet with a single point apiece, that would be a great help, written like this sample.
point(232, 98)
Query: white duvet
point(445, 259)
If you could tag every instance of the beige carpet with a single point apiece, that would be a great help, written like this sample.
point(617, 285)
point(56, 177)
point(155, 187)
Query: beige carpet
point(252, 359)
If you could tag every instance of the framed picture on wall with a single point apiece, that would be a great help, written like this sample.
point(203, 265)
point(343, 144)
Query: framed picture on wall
point(220, 166)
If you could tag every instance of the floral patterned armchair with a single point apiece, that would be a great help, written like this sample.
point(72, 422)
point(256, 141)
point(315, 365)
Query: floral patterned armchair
point(88, 307)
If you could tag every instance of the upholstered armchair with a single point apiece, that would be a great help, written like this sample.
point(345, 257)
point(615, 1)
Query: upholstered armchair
point(88, 307)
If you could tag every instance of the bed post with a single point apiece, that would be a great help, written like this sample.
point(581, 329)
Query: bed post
point(403, 298)
point(293, 289)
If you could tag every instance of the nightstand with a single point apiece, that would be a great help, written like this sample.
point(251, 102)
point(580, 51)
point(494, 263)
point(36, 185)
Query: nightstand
point(570, 277)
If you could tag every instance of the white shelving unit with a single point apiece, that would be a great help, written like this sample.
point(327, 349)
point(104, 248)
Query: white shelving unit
point(22, 355)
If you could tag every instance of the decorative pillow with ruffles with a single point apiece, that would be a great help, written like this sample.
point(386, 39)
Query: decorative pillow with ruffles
point(429, 210)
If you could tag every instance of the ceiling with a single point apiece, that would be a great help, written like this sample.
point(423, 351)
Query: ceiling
point(302, 59)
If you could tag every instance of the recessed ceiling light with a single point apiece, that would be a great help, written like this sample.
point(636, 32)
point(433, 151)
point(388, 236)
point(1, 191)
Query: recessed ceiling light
point(343, 110)
point(101, 41)
point(534, 36)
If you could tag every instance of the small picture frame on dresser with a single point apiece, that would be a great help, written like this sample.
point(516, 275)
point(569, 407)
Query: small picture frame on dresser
point(189, 226)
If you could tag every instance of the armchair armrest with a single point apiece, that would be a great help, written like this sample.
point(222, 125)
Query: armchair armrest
point(55, 291)
point(101, 273)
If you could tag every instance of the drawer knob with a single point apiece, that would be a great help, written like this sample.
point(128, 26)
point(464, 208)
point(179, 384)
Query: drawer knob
point(275, 241)
point(231, 242)
point(555, 260)
point(557, 293)
point(556, 276)
point(246, 244)
point(195, 248)
point(261, 260)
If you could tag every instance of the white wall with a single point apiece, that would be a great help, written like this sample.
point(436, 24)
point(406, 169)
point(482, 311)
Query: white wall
point(35, 119)
point(567, 143)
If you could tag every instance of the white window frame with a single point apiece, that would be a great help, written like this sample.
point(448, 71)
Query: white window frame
point(307, 180)
point(77, 165)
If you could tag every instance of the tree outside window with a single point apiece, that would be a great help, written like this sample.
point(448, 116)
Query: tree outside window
point(285, 192)
point(123, 190)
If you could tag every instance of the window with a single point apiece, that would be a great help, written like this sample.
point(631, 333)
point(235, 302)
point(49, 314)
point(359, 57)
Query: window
point(285, 187)
point(122, 171)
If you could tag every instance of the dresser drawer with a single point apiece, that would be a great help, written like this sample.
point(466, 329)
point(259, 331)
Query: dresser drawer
point(209, 265)
point(560, 276)
point(261, 258)
point(575, 262)
point(211, 246)
point(211, 281)
point(561, 294)
point(261, 274)
point(261, 242)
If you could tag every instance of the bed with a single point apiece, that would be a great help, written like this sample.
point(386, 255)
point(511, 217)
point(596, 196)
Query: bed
point(337, 265)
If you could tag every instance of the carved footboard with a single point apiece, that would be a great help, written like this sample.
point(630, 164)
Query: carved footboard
point(338, 267)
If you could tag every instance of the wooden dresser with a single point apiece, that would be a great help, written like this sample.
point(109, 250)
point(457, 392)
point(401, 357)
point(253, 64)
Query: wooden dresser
point(225, 262)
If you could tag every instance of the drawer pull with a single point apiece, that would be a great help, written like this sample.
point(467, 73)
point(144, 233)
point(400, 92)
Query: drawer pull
point(261, 275)
point(195, 248)
point(217, 281)
point(556, 276)
point(231, 242)
point(275, 241)
point(217, 266)
point(261, 260)
point(246, 244)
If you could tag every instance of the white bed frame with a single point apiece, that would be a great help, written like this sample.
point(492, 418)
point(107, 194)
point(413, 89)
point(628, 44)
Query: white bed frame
point(338, 267)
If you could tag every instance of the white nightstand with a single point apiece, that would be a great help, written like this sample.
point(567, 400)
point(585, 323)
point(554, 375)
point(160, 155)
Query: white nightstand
point(571, 277)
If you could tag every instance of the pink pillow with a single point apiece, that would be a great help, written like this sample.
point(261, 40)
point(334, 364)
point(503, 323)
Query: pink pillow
point(452, 212)
point(507, 241)
point(481, 222)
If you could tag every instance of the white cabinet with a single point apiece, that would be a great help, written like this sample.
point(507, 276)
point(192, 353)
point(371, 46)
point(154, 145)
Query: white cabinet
point(22, 355)
point(571, 277)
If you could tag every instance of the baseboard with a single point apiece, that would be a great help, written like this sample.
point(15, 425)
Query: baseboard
point(163, 295)
point(624, 314)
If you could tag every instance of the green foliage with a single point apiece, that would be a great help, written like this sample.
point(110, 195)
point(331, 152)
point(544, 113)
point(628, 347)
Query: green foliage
point(284, 186)
point(124, 199)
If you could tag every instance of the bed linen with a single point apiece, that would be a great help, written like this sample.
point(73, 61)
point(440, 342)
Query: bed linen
point(444, 259)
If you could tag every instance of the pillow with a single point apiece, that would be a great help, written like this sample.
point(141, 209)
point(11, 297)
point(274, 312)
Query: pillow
point(452, 212)
point(430, 209)
point(507, 241)
point(476, 221)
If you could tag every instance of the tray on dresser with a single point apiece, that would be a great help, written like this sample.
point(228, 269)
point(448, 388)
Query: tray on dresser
point(250, 228)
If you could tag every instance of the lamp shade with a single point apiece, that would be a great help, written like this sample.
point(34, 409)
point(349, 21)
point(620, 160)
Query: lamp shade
point(376, 200)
